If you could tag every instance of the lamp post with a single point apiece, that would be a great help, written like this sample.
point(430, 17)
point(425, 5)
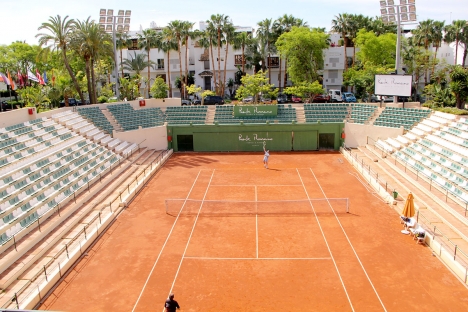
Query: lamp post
point(402, 13)
point(111, 23)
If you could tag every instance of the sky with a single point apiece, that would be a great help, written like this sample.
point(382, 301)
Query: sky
point(20, 19)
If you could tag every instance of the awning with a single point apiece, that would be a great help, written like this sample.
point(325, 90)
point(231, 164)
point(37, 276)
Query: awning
point(206, 73)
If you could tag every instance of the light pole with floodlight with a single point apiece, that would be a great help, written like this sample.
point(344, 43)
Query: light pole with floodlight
point(111, 23)
point(402, 13)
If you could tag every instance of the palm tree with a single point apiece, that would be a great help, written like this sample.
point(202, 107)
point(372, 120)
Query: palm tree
point(137, 63)
point(218, 22)
point(454, 33)
point(176, 27)
point(167, 44)
point(148, 40)
point(59, 32)
point(241, 40)
point(423, 37)
point(265, 34)
point(187, 33)
point(229, 34)
point(79, 42)
point(122, 42)
point(210, 34)
point(341, 25)
point(437, 37)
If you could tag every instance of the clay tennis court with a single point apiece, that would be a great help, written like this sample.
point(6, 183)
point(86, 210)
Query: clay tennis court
point(320, 259)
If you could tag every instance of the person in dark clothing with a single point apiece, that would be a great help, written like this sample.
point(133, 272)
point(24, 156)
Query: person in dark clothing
point(171, 305)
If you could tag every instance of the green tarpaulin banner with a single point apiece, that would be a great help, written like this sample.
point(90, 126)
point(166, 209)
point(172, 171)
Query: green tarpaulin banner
point(256, 111)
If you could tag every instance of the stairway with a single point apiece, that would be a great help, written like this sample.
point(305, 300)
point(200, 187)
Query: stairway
point(376, 115)
point(112, 120)
point(210, 115)
point(300, 114)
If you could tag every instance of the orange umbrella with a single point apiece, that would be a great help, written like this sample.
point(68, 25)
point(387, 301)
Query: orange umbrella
point(408, 210)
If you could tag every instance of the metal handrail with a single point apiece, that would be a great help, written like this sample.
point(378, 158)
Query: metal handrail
point(75, 242)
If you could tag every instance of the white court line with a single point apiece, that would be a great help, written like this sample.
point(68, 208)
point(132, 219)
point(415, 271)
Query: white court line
point(191, 233)
point(256, 222)
point(218, 258)
point(165, 242)
point(263, 185)
point(326, 242)
point(347, 238)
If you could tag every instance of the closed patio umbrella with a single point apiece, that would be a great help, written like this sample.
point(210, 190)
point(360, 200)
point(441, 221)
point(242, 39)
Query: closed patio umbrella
point(408, 210)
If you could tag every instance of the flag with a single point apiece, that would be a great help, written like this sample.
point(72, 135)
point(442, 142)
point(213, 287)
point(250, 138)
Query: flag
point(20, 79)
point(12, 83)
point(32, 77)
point(39, 77)
point(45, 78)
point(4, 79)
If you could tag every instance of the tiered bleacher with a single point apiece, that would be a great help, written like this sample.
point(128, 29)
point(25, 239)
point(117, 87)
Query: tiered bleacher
point(326, 112)
point(186, 114)
point(225, 115)
point(131, 119)
point(397, 117)
point(95, 115)
point(42, 164)
point(362, 112)
point(440, 153)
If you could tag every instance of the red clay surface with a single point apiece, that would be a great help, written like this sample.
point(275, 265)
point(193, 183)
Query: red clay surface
point(306, 262)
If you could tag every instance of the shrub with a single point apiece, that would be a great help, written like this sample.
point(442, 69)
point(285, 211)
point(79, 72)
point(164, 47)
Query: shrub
point(102, 99)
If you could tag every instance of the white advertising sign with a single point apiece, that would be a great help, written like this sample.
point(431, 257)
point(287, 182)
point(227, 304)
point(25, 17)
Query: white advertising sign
point(393, 85)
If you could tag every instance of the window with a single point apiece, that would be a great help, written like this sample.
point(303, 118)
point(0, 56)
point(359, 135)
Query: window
point(238, 59)
point(207, 65)
point(160, 63)
point(273, 62)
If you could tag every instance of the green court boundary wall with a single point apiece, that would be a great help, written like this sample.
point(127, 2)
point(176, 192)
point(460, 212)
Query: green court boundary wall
point(249, 138)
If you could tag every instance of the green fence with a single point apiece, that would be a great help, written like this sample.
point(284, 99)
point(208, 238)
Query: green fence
point(248, 138)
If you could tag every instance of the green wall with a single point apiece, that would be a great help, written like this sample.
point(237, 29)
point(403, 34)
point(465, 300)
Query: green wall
point(236, 138)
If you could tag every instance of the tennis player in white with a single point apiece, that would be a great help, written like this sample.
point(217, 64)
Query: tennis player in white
point(265, 157)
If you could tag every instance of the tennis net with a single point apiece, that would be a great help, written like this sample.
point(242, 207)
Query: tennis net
point(320, 206)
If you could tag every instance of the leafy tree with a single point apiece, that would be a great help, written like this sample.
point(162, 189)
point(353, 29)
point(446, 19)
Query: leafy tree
point(376, 50)
point(303, 48)
point(459, 84)
point(439, 96)
point(129, 87)
point(34, 97)
point(363, 79)
point(255, 85)
point(305, 90)
point(159, 88)
point(168, 43)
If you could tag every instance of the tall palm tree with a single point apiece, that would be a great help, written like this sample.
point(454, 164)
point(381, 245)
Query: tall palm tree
point(168, 43)
point(59, 32)
point(218, 22)
point(187, 33)
point(148, 39)
point(177, 28)
point(423, 37)
point(454, 33)
point(437, 38)
point(91, 43)
point(229, 33)
point(79, 42)
point(265, 35)
point(137, 63)
point(210, 34)
point(122, 42)
point(241, 40)
point(341, 25)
